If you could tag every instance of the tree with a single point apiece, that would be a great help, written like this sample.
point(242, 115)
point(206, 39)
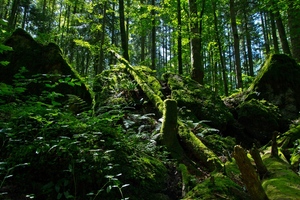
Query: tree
point(124, 38)
point(179, 38)
point(153, 36)
point(294, 26)
point(218, 39)
point(281, 29)
point(195, 41)
point(236, 45)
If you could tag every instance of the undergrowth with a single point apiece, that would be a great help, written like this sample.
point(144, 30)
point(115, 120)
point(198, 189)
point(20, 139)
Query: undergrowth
point(48, 152)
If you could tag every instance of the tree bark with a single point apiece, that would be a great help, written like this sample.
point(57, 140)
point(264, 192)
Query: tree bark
point(249, 176)
point(179, 39)
point(265, 32)
point(248, 42)
point(124, 41)
point(261, 168)
point(274, 34)
point(223, 66)
point(195, 42)
point(280, 28)
point(153, 38)
point(12, 16)
point(294, 26)
point(236, 42)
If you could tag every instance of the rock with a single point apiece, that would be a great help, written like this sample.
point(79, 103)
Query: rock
point(43, 66)
point(278, 82)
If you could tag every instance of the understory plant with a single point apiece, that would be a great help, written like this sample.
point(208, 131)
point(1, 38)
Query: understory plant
point(48, 152)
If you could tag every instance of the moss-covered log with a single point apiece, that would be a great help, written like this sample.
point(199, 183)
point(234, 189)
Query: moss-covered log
point(249, 176)
point(282, 182)
point(169, 128)
point(196, 149)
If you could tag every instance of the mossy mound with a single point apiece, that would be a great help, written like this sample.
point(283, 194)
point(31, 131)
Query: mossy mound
point(203, 103)
point(278, 82)
point(217, 186)
point(40, 67)
point(282, 182)
point(253, 115)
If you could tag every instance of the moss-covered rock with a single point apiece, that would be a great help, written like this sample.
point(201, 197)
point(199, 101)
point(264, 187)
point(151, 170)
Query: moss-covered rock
point(259, 119)
point(41, 65)
point(203, 103)
point(217, 186)
point(278, 82)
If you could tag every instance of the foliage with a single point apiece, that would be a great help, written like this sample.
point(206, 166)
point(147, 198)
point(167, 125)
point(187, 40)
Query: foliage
point(66, 156)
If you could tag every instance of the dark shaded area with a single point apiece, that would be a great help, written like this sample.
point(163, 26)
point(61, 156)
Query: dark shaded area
point(44, 64)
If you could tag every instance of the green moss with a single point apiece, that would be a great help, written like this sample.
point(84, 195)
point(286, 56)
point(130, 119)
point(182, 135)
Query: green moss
point(278, 68)
point(231, 169)
point(216, 187)
point(203, 103)
point(197, 149)
point(219, 144)
point(287, 139)
point(278, 82)
point(254, 115)
point(282, 183)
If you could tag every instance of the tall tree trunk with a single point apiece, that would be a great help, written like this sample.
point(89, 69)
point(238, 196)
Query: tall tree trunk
point(143, 40)
point(248, 42)
point(280, 28)
point(223, 66)
point(153, 38)
point(195, 41)
point(282, 34)
point(265, 32)
point(179, 39)
point(101, 56)
point(274, 34)
point(124, 41)
point(112, 59)
point(294, 26)
point(13, 13)
point(236, 45)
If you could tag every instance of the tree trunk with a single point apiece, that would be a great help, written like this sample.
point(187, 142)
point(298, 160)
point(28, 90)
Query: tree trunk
point(294, 26)
point(274, 34)
point(248, 41)
point(236, 45)
point(101, 56)
point(124, 41)
point(281, 29)
point(12, 16)
point(179, 39)
point(223, 66)
point(195, 42)
point(265, 32)
point(282, 34)
point(153, 38)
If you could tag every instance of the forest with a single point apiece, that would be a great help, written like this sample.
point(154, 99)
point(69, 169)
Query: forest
point(137, 99)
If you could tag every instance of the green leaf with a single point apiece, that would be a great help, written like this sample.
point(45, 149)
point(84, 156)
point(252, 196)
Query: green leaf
point(108, 189)
point(5, 48)
point(59, 195)
point(4, 63)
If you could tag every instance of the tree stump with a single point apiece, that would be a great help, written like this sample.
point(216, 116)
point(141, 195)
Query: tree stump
point(249, 176)
point(169, 128)
point(261, 168)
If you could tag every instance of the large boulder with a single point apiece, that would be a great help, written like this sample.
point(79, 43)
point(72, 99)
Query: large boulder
point(278, 82)
point(41, 68)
